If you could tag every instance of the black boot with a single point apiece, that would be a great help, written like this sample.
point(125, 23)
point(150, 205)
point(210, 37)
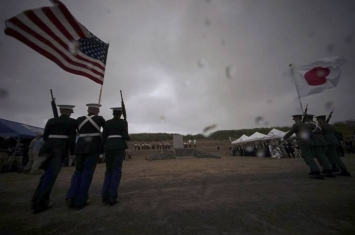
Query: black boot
point(329, 173)
point(345, 172)
point(317, 175)
point(335, 168)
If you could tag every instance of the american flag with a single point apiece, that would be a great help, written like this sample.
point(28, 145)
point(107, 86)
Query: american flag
point(56, 34)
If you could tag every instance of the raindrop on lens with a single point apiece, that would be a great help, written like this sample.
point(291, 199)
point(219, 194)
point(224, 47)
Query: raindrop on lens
point(208, 130)
point(304, 135)
point(329, 105)
point(258, 119)
point(201, 63)
point(3, 93)
point(349, 39)
point(260, 153)
point(231, 71)
point(73, 47)
point(206, 189)
point(249, 148)
point(88, 139)
point(320, 73)
point(330, 47)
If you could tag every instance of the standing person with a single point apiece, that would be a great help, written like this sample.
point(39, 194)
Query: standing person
point(303, 134)
point(349, 146)
point(59, 136)
point(331, 150)
point(318, 145)
point(87, 152)
point(37, 160)
point(291, 149)
point(340, 144)
point(28, 167)
point(114, 136)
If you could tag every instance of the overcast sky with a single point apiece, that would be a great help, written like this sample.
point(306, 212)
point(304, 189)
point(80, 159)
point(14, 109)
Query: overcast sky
point(169, 57)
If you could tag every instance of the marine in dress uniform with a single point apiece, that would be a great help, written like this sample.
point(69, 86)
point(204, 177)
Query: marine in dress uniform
point(303, 134)
point(318, 145)
point(87, 151)
point(114, 136)
point(59, 136)
point(331, 152)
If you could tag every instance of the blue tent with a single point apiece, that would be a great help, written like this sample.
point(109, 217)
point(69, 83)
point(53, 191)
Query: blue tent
point(16, 129)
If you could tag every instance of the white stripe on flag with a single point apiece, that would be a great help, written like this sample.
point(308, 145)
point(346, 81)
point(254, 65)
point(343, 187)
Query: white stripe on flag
point(51, 51)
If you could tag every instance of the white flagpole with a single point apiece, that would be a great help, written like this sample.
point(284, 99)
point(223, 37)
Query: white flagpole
point(108, 44)
point(292, 71)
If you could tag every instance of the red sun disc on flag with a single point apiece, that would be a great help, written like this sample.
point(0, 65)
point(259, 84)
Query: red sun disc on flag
point(317, 76)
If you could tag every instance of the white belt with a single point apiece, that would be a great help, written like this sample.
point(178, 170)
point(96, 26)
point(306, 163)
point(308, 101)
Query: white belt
point(89, 134)
point(114, 136)
point(58, 136)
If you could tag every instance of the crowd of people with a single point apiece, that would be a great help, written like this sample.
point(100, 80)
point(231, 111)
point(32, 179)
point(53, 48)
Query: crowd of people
point(272, 149)
point(152, 146)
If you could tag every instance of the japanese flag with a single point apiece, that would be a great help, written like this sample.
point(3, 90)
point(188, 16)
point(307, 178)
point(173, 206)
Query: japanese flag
point(318, 76)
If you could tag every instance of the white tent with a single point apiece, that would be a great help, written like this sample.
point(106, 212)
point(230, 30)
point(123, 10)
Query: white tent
point(257, 136)
point(240, 139)
point(275, 134)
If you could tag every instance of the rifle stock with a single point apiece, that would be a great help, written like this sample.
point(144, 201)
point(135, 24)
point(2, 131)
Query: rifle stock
point(329, 116)
point(123, 107)
point(54, 106)
point(305, 114)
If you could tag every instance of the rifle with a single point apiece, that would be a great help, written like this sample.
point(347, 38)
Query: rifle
point(305, 114)
point(123, 107)
point(54, 106)
point(329, 116)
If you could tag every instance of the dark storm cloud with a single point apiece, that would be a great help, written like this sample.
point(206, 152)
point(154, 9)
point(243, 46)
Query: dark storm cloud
point(195, 63)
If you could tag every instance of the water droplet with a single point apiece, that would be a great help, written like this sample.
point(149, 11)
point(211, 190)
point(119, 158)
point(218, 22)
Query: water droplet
point(348, 39)
point(90, 66)
point(73, 47)
point(310, 33)
point(249, 148)
point(3, 93)
point(201, 63)
point(266, 123)
point(258, 120)
point(88, 139)
point(269, 101)
point(351, 10)
point(206, 189)
point(329, 105)
point(162, 117)
point(320, 73)
point(330, 47)
point(304, 135)
point(162, 207)
point(207, 131)
point(208, 1)
point(231, 71)
point(223, 42)
point(261, 152)
point(207, 22)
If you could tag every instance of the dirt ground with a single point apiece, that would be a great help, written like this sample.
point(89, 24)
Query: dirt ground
point(231, 195)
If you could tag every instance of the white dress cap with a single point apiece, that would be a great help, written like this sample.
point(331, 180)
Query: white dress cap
point(93, 105)
point(65, 106)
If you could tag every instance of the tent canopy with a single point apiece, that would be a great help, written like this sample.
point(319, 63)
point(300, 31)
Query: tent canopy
point(240, 139)
point(16, 129)
point(257, 136)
